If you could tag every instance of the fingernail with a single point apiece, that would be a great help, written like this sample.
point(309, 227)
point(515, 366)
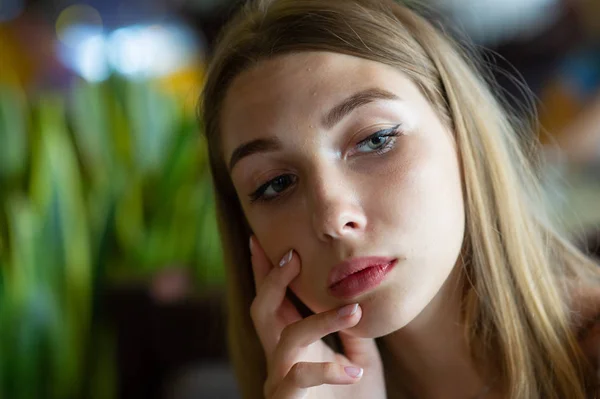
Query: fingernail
point(347, 310)
point(286, 258)
point(251, 244)
point(353, 371)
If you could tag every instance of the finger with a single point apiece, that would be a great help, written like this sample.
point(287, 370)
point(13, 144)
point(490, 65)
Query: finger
point(270, 310)
point(271, 293)
point(304, 375)
point(297, 336)
point(260, 263)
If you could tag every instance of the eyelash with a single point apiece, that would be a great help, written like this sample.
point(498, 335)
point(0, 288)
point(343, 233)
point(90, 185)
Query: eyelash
point(389, 134)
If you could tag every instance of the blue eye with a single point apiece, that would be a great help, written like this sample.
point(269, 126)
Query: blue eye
point(380, 141)
point(273, 188)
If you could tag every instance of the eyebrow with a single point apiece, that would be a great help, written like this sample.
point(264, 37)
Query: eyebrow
point(333, 117)
point(254, 147)
point(354, 101)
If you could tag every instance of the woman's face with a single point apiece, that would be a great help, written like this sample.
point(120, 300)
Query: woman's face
point(353, 162)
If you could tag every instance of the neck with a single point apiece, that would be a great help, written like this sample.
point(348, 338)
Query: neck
point(431, 354)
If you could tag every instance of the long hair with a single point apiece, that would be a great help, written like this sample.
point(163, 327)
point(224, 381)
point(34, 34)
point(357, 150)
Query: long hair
point(518, 268)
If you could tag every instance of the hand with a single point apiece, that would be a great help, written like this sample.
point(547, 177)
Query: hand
point(300, 364)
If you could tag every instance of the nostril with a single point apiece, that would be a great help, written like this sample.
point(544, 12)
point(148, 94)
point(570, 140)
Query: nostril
point(335, 220)
point(352, 225)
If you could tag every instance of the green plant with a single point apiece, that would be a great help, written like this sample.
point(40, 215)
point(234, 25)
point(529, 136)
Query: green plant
point(110, 184)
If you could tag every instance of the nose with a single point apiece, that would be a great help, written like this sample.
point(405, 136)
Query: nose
point(337, 213)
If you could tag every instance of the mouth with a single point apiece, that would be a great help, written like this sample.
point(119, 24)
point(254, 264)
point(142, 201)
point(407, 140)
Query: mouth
point(358, 275)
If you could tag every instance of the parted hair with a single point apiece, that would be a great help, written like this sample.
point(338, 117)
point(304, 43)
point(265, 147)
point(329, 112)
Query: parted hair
point(520, 270)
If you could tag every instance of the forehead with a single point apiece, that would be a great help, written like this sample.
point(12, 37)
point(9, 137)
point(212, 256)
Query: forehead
point(295, 90)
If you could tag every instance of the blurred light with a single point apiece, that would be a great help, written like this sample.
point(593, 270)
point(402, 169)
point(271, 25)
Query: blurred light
point(493, 21)
point(10, 9)
point(73, 35)
point(127, 53)
point(83, 49)
point(91, 61)
point(150, 51)
point(137, 52)
point(74, 16)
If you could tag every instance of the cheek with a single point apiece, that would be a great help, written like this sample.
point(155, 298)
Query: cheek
point(313, 295)
point(278, 230)
point(439, 217)
point(266, 232)
point(277, 238)
point(422, 200)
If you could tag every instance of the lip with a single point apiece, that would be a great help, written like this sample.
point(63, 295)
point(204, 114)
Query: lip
point(357, 275)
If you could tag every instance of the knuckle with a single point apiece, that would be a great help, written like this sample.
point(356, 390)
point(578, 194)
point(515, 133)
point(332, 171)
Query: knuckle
point(289, 340)
point(329, 370)
point(255, 309)
point(282, 356)
point(270, 279)
point(287, 333)
point(297, 373)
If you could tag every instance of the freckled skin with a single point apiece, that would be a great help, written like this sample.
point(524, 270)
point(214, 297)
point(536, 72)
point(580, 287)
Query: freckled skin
point(404, 203)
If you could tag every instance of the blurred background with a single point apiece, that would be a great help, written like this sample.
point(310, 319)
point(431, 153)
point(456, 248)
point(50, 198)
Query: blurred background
point(111, 279)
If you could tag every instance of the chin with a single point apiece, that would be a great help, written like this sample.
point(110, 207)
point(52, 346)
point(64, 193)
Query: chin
point(382, 314)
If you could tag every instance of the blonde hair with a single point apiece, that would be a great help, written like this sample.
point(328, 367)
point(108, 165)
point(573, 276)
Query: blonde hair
point(519, 269)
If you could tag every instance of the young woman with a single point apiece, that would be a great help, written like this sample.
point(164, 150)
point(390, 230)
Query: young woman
point(398, 243)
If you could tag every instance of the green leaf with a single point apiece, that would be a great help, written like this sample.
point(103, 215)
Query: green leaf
point(57, 195)
point(13, 132)
point(92, 130)
point(153, 118)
